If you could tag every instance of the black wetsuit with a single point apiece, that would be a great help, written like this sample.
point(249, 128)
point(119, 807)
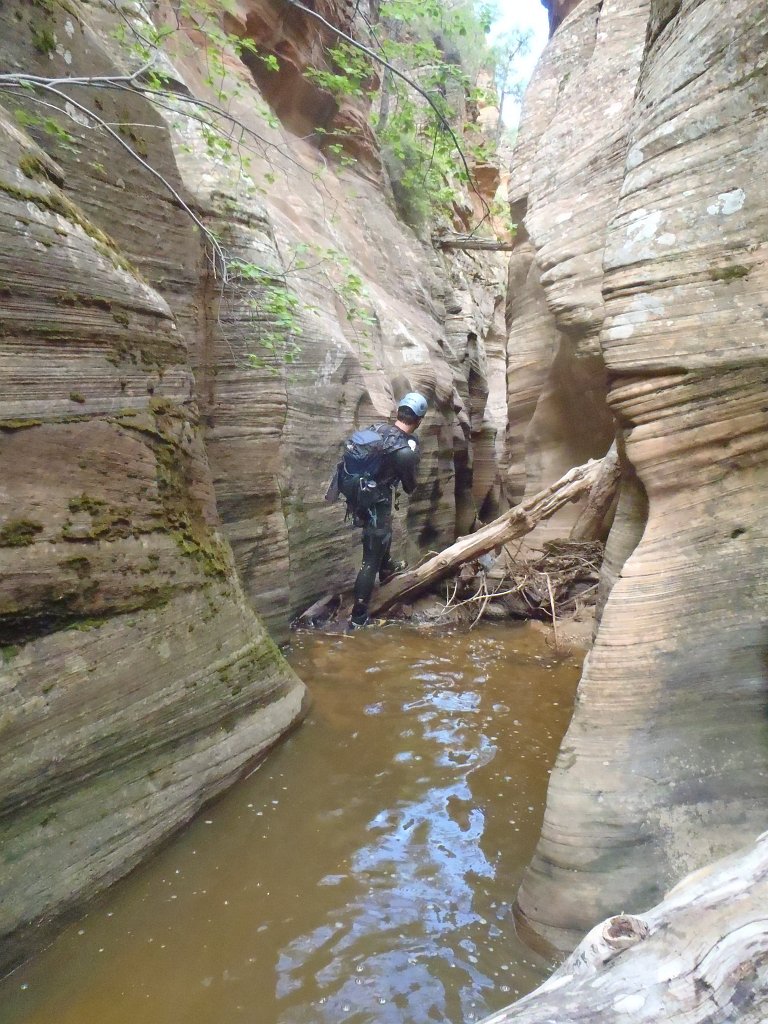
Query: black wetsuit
point(401, 466)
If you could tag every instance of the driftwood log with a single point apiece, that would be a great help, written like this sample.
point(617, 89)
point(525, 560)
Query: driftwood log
point(698, 957)
point(471, 242)
point(590, 522)
point(515, 523)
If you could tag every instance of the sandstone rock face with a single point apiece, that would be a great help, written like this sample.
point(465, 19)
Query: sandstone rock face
point(664, 766)
point(417, 320)
point(136, 681)
point(558, 10)
point(300, 42)
point(562, 188)
point(164, 465)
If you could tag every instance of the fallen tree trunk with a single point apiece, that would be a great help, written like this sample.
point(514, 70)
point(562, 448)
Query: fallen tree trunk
point(592, 517)
point(470, 242)
point(698, 957)
point(515, 523)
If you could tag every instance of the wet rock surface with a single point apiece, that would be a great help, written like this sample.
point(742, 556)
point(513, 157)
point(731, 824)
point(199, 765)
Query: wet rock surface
point(654, 259)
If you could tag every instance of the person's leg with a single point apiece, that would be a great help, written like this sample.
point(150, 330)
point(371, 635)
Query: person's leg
point(376, 542)
point(386, 559)
point(388, 566)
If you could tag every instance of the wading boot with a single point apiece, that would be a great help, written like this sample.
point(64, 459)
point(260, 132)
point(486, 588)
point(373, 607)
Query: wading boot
point(359, 617)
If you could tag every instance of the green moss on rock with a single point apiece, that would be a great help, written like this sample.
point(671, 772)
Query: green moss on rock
point(43, 38)
point(183, 515)
point(55, 202)
point(79, 564)
point(32, 167)
point(86, 624)
point(8, 652)
point(86, 503)
point(19, 424)
point(19, 533)
point(106, 522)
point(732, 273)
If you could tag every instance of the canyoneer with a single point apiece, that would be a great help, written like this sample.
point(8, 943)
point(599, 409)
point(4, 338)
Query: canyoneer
point(374, 462)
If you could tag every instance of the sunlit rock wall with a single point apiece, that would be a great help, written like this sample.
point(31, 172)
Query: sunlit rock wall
point(665, 765)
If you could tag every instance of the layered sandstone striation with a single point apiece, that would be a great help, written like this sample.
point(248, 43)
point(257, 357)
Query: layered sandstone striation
point(136, 681)
point(646, 214)
point(164, 461)
point(565, 174)
point(377, 313)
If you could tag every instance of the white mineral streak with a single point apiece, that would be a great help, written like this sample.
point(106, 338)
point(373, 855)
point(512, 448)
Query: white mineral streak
point(631, 1003)
point(727, 203)
point(634, 158)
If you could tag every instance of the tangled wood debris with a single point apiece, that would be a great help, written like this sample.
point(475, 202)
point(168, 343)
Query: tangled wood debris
point(517, 522)
point(554, 585)
point(476, 584)
point(558, 582)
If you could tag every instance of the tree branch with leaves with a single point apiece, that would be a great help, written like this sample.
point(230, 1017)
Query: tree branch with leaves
point(429, 146)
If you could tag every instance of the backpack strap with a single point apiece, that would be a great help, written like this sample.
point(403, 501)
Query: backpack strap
point(394, 439)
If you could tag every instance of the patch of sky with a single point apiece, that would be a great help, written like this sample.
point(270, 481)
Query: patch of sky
point(520, 16)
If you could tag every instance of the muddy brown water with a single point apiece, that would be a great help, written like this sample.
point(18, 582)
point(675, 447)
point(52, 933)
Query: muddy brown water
point(364, 874)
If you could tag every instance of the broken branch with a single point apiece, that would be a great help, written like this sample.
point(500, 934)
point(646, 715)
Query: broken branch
point(514, 523)
point(592, 516)
point(469, 242)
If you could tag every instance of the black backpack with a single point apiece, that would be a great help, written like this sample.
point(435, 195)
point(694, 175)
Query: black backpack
point(363, 463)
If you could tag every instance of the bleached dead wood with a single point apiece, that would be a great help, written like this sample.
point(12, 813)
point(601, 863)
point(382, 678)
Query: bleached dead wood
point(592, 516)
point(698, 957)
point(470, 242)
point(515, 523)
point(320, 611)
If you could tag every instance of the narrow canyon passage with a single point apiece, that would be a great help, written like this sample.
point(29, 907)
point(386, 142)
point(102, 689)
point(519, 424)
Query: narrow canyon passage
point(365, 873)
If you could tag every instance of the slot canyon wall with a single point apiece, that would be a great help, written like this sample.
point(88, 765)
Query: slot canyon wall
point(162, 501)
point(640, 277)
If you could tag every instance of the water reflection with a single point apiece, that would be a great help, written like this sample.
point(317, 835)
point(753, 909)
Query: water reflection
point(417, 876)
point(364, 874)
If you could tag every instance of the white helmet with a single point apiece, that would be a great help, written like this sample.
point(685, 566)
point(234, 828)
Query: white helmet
point(415, 402)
